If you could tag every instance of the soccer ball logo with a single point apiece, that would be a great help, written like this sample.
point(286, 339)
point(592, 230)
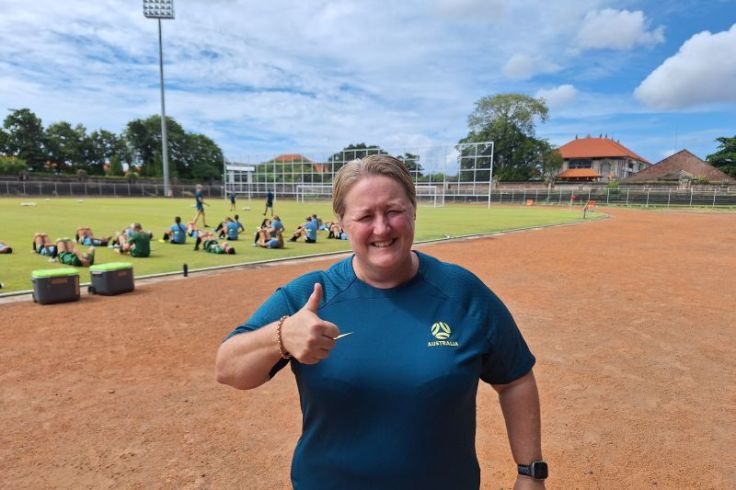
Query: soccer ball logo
point(441, 331)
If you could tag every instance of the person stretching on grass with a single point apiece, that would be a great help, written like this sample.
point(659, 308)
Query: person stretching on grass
point(70, 255)
point(177, 233)
point(137, 243)
point(5, 248)
point(209, 243)
point(43, 245)
point(268, 238)
point(85, 236)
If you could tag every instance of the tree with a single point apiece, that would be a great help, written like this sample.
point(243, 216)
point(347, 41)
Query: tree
point(508, 121)
point(550, 161)
point(3, 142)
point(64, 145)
point(191, 156)
point(25, 137)
point(144, 138)
point(725, 157)
point(116, 166)
point(102, 147)
point(202, 158)
point(11, 165)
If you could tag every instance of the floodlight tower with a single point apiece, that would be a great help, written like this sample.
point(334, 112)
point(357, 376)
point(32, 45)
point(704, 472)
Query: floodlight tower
point(161, 9)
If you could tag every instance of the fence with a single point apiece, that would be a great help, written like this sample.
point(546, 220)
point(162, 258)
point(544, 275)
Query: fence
point(441, 193)
point(616, 197)
point(102, 189)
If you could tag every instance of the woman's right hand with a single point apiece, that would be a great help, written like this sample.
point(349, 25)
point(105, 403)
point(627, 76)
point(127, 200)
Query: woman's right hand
point(307, 337)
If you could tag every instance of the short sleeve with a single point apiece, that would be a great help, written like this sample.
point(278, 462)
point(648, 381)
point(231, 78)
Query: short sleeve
point(271, 310)
point(508, 357)
point(286, 300)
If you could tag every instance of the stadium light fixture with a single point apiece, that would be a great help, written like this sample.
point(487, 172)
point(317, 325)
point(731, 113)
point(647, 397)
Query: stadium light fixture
point(161, 9)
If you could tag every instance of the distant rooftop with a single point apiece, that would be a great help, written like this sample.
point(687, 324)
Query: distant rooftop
point(579, 173)
point(682, 163)
point(291, 157)
point(597, 148)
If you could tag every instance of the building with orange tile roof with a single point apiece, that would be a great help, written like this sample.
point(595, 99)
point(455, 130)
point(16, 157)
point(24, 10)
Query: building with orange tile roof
point(681, 168)
point(291, 158)
point(598, 159)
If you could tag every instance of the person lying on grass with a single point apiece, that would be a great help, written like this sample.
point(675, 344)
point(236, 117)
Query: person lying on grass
point(69, 254)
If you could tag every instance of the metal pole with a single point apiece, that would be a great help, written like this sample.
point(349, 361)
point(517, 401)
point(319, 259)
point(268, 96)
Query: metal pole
point(669, 195)
point(490, 183)
point(164, 138)
point(714, 197)
point(691, 197)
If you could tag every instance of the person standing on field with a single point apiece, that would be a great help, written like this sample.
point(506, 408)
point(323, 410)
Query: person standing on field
point(199, 204)
point(269, 203)
point(387, 356)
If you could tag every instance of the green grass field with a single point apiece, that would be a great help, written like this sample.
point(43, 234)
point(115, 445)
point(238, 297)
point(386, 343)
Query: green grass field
point(61, 217)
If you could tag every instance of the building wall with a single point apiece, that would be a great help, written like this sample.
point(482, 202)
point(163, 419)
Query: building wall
point(609, 168)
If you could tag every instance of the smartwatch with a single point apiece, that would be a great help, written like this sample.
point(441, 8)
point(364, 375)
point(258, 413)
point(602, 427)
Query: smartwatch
point(536, 470)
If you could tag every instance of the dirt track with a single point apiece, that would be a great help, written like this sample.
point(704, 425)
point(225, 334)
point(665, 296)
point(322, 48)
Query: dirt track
point(632, 320)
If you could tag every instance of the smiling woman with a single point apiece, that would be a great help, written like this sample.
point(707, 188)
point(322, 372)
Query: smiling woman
point(368, 403)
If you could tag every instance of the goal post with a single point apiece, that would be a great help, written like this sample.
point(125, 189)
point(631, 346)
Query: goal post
point(429, 195)
point(313, 192)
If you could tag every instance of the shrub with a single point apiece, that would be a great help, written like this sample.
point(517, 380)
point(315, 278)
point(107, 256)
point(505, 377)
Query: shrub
point(12, 165)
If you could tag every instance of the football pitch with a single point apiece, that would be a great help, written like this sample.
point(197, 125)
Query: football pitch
point(59, 217)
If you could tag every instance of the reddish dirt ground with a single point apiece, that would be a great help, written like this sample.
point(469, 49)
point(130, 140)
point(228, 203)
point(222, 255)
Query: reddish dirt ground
point(632, 320)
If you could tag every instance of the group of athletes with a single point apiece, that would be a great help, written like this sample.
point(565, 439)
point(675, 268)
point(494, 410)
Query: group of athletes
point(136, 242)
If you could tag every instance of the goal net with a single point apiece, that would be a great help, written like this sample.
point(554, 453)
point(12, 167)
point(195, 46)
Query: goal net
point(313, 192)
point(429, 195)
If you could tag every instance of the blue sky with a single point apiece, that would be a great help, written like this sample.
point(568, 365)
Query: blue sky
point(263, 78)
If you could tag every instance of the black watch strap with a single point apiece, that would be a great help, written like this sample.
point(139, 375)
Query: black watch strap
point(536, 470)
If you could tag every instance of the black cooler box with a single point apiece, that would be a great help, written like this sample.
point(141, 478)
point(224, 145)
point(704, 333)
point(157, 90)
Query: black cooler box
point(55, 285)
point(112, 278)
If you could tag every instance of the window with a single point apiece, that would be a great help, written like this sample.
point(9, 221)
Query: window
point(579, 164)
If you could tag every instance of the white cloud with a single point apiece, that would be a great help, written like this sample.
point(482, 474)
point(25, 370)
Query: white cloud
point(290, 76)
point(702, 72)
point(523, 67)
point(559, 96)
point(617, 29)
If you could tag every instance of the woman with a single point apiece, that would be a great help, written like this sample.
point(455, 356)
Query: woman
point(177, 233)
point(70, 255)
point(199, 205)
point(390, 403)
point(269, 239)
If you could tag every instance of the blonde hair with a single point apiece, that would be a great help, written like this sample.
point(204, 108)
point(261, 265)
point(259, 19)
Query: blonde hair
point(354, 170)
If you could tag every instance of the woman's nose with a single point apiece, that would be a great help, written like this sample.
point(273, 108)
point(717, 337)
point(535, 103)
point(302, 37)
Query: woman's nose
point(381, 225)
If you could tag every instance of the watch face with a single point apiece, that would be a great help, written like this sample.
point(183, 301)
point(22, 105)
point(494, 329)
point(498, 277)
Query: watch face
point(539, 470)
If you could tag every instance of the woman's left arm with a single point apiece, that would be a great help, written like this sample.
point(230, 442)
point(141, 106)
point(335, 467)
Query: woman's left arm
point(519, 401)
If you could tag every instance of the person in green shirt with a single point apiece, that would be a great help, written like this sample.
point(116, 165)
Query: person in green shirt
point(209, 243)
point(137, 243)
point(70, 255)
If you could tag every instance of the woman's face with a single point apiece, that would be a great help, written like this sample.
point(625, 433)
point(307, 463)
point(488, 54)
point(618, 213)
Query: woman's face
point(379, 220)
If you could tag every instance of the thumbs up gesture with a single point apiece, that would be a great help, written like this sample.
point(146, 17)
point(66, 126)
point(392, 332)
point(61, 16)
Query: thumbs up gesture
point(307, 337)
